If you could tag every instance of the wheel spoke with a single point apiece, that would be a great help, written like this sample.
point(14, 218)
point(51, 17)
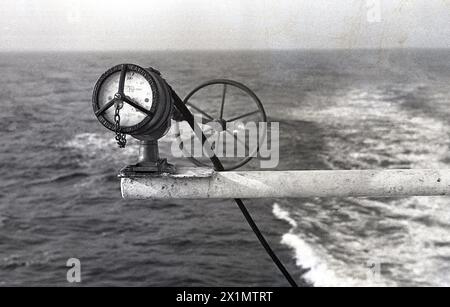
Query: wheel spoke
point(137, 106)
point(123, 74)
point(200, 111)
point(222, 106)
point(105, 107)
point(243, 116)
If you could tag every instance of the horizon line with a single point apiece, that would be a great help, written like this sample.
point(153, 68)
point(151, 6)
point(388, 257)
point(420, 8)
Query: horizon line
point(214, 50)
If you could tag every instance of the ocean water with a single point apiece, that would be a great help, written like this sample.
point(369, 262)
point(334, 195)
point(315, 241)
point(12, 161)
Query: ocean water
point(60, 197)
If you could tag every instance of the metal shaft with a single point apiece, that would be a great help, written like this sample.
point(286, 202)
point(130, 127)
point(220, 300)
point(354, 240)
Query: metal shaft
point(148, 152)
point(203, 184)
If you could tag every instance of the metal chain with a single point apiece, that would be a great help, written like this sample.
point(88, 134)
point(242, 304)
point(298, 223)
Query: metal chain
point(120, 137)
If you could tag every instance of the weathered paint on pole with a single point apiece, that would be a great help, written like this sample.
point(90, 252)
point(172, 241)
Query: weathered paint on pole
point(203, 184)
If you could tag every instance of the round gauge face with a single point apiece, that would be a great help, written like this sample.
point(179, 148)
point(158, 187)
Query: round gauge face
point(137, 91)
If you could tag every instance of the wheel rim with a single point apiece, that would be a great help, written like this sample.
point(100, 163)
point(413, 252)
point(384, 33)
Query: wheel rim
point(257, 110)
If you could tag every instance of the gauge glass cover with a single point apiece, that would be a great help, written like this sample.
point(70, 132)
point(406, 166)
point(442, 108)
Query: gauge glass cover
point(137, 88)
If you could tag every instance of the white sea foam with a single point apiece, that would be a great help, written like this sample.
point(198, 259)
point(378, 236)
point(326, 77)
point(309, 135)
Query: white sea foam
point(319, 274)
point(319, 265)
point(409, 235)
point(95, 147)
point(90, 141)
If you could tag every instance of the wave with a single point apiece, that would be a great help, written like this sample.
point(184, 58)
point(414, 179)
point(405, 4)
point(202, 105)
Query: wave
point(98, 149)
point(3, 220)
point(366, 128)
point(15, 261)
point(319, 266)
point(74, 176)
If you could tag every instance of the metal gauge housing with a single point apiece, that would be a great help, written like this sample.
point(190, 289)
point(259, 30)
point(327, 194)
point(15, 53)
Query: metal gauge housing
point(144, 100)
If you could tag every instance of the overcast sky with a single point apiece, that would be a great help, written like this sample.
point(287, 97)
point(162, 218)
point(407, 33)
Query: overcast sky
point(223, 24)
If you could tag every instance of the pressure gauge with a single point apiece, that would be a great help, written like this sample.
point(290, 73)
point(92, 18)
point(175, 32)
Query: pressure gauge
point(129, 99)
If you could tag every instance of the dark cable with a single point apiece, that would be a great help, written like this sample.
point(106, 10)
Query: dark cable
point(179, 104)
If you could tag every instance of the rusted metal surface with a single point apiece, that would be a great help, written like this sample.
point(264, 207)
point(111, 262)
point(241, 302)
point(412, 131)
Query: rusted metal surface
point(203, 184)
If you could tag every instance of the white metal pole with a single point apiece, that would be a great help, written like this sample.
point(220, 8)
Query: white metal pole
point(202, 184)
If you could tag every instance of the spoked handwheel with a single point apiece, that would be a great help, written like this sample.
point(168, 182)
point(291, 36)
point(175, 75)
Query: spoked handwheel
point(225, 123)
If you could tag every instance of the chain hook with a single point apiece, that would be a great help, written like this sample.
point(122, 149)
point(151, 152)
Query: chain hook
point(120, 137)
